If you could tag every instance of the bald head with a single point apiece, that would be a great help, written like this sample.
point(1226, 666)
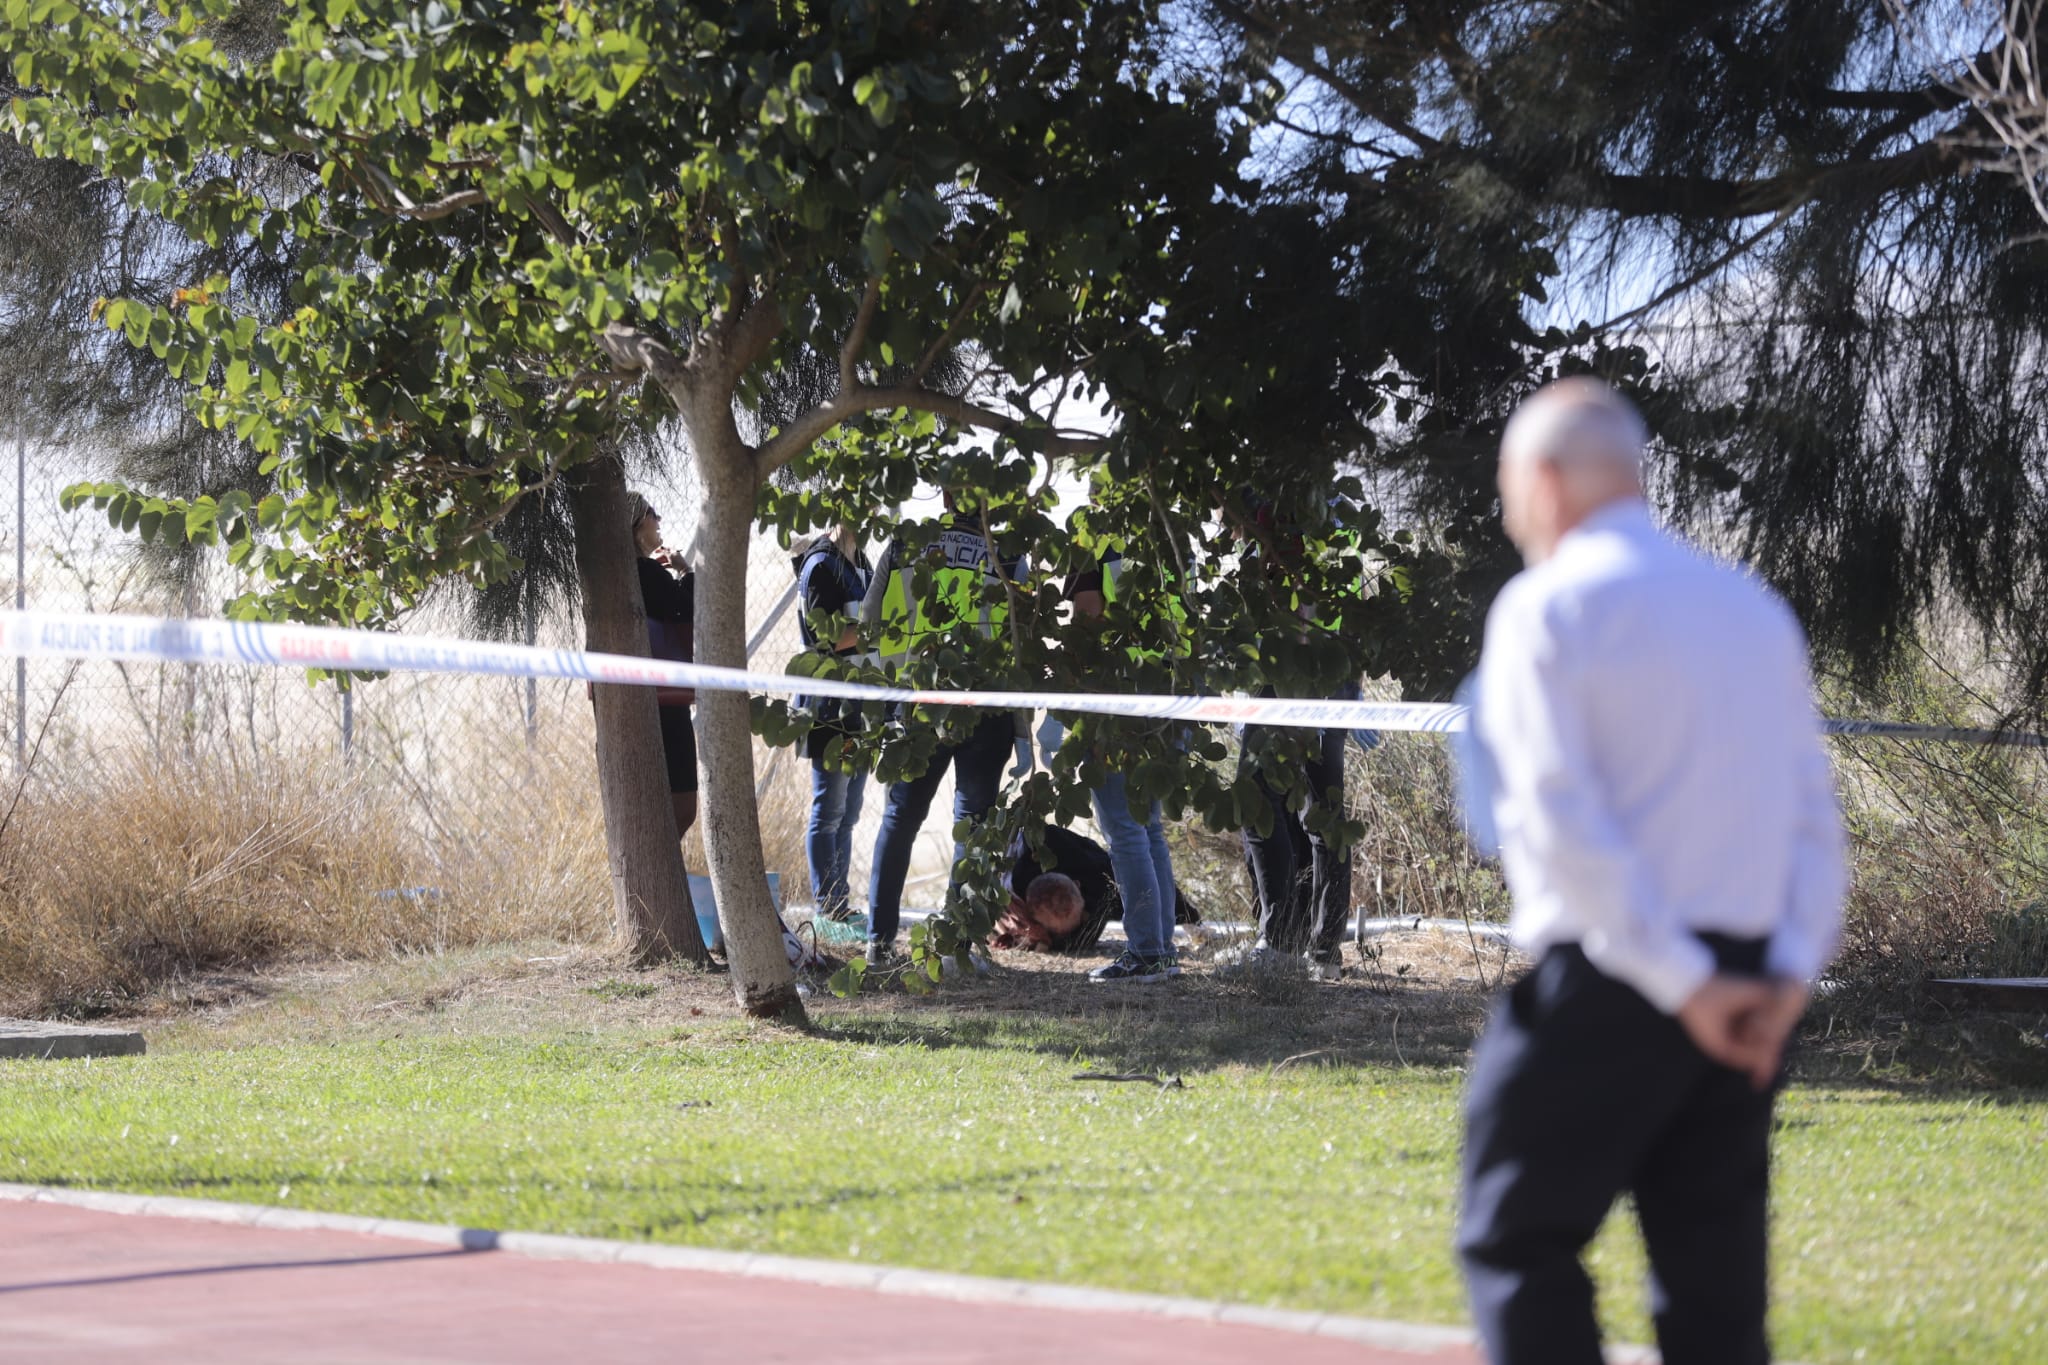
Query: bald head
point(1574, 447)
point(1055, 901)
point(1576, 421)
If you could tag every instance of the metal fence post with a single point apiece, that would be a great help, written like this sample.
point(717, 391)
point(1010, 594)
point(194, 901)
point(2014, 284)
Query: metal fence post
point(532, 684)
point(20, 597)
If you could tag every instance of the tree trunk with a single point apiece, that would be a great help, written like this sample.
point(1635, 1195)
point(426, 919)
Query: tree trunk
point(762, 979)
point(650, 892)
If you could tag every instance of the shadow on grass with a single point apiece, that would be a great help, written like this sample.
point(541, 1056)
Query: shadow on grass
point(1200, 1023)
point(1996, 1058)
point(1192, 1025)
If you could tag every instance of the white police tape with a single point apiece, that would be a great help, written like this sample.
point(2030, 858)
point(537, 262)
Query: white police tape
point(69, 635)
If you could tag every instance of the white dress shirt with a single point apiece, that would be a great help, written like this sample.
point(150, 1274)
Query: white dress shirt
point(1656, 761)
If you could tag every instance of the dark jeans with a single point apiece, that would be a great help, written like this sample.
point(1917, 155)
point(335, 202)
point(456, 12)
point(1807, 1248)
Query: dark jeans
point(1303, 884)
point(977, 763)
point(1580, 1090)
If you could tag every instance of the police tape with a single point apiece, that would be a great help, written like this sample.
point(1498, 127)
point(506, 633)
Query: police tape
point(148, 639)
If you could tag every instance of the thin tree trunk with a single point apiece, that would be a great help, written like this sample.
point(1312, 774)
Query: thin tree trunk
point(762, 979)
point(650, 892)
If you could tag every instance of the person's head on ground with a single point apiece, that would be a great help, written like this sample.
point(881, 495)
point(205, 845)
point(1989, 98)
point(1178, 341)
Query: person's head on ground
point(645, 523)
point(1571, 449)
point(1045, 917)
point(1054, 900)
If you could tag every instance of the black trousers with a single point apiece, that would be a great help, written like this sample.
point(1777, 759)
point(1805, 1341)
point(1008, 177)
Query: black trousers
point(1303, 884)
point(1580, 1090)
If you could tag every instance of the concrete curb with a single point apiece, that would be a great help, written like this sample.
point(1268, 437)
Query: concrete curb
point(44, 1040)
point(1393, 1336)
point(929, 1284)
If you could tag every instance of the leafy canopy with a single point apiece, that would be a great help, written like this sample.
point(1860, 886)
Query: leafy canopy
point(521, 231)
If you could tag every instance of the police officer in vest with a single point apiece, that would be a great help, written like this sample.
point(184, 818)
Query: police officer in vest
point(964, 569)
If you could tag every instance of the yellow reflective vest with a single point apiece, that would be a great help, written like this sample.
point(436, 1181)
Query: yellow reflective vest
point(963, 568)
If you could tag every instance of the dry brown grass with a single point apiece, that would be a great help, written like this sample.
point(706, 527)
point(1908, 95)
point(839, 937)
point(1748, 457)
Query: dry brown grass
point(1414, 859)
point(153, 872)
point(1950, 853)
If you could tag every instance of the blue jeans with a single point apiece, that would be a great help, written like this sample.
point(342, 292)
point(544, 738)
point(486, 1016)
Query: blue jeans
point(828, 841)
point(977, 764)
point(1144, 871)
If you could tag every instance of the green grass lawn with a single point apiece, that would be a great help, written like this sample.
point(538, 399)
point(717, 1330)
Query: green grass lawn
point(1909, 1227)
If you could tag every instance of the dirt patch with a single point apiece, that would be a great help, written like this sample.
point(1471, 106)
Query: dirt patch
point(1415, 1000)
point(1408, 1000)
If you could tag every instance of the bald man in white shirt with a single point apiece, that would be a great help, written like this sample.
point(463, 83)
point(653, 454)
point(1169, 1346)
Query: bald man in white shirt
point(1667, 823)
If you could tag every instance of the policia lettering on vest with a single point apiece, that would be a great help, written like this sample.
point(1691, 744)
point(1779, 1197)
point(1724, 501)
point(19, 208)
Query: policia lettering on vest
point(963, 565)
point(964, 589)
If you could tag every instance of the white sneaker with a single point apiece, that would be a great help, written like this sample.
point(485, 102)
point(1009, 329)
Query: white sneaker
point(1326, 970)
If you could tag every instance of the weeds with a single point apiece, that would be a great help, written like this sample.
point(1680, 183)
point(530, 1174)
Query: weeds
point(615, 989)
point(143, 870)
point(152, 870)
point(1950, 853)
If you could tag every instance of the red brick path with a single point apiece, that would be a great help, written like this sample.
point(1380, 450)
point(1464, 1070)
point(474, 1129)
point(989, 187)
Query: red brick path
point(81, 1287)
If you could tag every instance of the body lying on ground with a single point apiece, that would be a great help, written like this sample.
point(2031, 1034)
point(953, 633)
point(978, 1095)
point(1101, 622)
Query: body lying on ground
point(1077, 900)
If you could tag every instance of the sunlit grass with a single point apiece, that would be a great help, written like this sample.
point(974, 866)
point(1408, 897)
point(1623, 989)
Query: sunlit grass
point(1908, 1226)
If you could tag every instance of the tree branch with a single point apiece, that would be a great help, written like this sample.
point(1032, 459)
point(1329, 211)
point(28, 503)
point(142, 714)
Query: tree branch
point(1298, 48)
point(945, 339)
point(637, 352)
point(1698, 196)
point(447, 206)
point(806, 430)
point(747, 337)
point(849, 351)
point(551, 220)
point(1700, 276)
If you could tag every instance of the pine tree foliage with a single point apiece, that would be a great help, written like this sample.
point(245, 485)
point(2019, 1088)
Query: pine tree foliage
point(1764, 218)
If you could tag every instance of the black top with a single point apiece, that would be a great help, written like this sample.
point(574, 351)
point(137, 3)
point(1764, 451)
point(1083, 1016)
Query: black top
point(671, 604)
point(827, 580)
point(667, 597)
point(1090, 578)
